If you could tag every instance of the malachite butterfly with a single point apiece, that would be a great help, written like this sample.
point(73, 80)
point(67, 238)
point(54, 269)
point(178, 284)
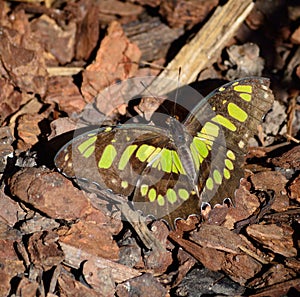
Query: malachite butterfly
point(169, 172)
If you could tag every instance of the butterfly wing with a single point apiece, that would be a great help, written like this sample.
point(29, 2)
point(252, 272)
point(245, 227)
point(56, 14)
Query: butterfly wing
point(129, 157)
point(110, 157)
point(221, 126)
point(164, 189)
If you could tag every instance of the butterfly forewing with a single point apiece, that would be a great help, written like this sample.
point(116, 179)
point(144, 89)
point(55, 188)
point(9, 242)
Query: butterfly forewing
point(113, 158)
point(231, 116)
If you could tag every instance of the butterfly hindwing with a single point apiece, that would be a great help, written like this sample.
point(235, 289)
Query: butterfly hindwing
point(170, 197)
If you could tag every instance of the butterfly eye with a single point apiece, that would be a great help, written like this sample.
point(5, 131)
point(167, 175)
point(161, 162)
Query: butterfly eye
point(180, 137)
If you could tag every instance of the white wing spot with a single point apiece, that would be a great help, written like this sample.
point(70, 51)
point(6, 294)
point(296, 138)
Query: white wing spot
point(241, 144)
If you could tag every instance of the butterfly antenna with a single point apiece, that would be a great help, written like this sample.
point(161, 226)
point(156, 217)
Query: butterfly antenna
point(177, 90)
point(152, 95)
point(147, 89)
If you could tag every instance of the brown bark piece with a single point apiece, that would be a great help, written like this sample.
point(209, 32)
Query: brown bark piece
point(28, 130)
point(217, 215)
point(9, 210)
point(38, 223)
point(157, 261)
point(87, 33)
point(131, 254)
point(294, 189)
point(152, 3)
point(186, 13)
point(10, 266)
point(276, 274)
point(114, 10)
point(276, 238)
point(186, 262)
point(245, 205)
point(145, 285)
point(116, 60)
point(279, 290)
point(148, 37)
point(56, 41)
point(289, 159)
point(23, 62)
point(241, 267)
point(217, 237)
point(62, 125)
point(9, 269)
point(293, 263)
point(295, 38)
point(148, 106)
point(10, 99)
point(6, 149)
point(49, 192)
point(28, 288)
point(69, 287)
point(100, 279)
point(75, 256)
point(114, 7)
point(44, 250)
point(276, 181)
point(30, 105)
point(209, 257)
point(92, 238)
point(214, 239)
point(65, 93)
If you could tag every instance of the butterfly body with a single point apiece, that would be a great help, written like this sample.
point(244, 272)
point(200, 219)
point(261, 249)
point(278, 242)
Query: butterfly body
point(170, 171)
point(182, 141)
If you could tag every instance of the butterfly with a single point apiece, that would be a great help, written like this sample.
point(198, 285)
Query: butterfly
point(170, 171)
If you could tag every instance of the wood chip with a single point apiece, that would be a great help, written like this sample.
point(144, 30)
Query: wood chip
point(186, 13)
point(74, 257)
point(28, 129)
point(68, 286)
point(105, 71)
point(10, 98)
point(65, 93)
point(294, 189)
point(145, 283)
point(58, 199)
point(277, 238)
point(57, 42)
point(9, 210)
point(44, 251)
point(289, 159)
point(217, 237)
point(277, 182)
point(92, 238)
point(23, 62)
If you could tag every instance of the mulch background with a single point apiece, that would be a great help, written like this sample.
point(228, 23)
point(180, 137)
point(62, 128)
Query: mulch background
point(59, 240)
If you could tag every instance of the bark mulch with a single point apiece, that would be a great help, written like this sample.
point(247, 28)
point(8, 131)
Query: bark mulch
point(57, 59)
